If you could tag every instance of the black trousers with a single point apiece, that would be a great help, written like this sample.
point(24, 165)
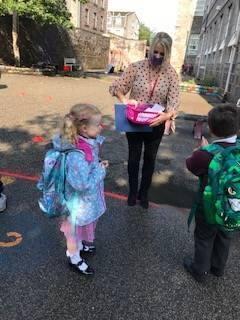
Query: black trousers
point(151, 141)
point(211, 246)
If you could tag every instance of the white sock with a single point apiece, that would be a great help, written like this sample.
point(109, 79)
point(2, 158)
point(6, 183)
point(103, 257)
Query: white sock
point(80, 245)
point(75, 258)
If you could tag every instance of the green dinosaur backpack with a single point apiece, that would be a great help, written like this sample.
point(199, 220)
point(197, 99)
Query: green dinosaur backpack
point(221, 196)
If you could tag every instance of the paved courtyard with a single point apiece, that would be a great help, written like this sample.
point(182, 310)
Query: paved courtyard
point(139, 273)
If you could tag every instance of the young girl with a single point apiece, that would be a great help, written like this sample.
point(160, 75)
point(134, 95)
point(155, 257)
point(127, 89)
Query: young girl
point(84, 181)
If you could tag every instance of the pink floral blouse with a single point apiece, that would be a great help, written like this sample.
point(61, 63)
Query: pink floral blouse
point(149, 86)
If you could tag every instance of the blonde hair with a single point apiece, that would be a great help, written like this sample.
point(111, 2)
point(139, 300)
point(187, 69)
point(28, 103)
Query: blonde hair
point(164, 40)
point(79, 115)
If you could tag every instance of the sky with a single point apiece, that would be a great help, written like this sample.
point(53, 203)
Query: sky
point(158, 15)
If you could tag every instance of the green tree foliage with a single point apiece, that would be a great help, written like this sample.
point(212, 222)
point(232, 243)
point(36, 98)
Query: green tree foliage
point(145, 33)
point(43, 11)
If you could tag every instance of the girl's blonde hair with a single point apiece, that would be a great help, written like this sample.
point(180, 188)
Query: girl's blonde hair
point(79, 115)
point(164, 40)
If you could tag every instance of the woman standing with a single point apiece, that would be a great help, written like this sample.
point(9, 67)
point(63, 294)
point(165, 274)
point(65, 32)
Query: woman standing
point(151, 81)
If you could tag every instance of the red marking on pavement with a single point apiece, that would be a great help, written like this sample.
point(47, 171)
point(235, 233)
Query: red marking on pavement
point(36, 178)
point(49, 98)
point(115, 195)
point(38, 139)
point(124, 198)
point(22, 93)
point(19, 176)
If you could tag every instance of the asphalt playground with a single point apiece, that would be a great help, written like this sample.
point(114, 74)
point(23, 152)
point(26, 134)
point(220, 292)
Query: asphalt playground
point(138, 263)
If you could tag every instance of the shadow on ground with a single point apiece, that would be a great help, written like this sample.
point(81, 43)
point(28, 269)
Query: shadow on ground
point(172, 184)
point(3, 86)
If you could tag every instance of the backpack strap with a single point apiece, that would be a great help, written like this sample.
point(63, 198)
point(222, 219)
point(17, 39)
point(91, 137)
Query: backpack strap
point(62, 175)
point(213, 148)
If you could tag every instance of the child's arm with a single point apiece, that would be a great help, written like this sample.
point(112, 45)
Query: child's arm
point(81, 175)
point(198, 162)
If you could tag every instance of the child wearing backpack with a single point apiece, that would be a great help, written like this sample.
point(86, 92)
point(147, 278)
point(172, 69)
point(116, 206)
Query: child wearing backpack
point(217, 209)
point(81, 185)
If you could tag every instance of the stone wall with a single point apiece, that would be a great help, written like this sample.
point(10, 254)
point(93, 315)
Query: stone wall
point(51, 44)
point(91, 48)
point(37, 43)
point(125, 51)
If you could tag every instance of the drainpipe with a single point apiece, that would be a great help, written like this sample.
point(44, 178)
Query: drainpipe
point(232, 57)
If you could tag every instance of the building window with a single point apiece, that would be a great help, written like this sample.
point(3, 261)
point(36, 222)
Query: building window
point(226, 31)
point(95, 20)
point(95, 2)
point(102, 23)
point(109, 21)
point(118, 21)
point(200, 6)
point(193, 44)
point(102, 3)
point(87, 17)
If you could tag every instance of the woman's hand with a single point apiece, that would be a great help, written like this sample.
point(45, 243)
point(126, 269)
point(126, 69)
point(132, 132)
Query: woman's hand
point(169, 127)
point(121, 97)
point(163, 117)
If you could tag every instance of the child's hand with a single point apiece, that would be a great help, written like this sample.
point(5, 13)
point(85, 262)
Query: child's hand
point(104, 163)
point(203, 142)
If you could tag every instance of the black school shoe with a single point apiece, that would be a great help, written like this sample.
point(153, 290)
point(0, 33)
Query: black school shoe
point(75, 267)
point(88, 249)
point(216, 272)
point(188, 265)
point(144, 203)
point(132, 200)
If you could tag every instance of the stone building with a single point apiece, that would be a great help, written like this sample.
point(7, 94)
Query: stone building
point(194, 36)
point(91, 46)
point(125, 46)
point(124, 24)
point(183, 23)
point(219, 55)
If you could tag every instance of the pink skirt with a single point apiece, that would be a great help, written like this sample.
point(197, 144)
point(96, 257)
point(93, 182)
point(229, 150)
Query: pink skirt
point(84, 233)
